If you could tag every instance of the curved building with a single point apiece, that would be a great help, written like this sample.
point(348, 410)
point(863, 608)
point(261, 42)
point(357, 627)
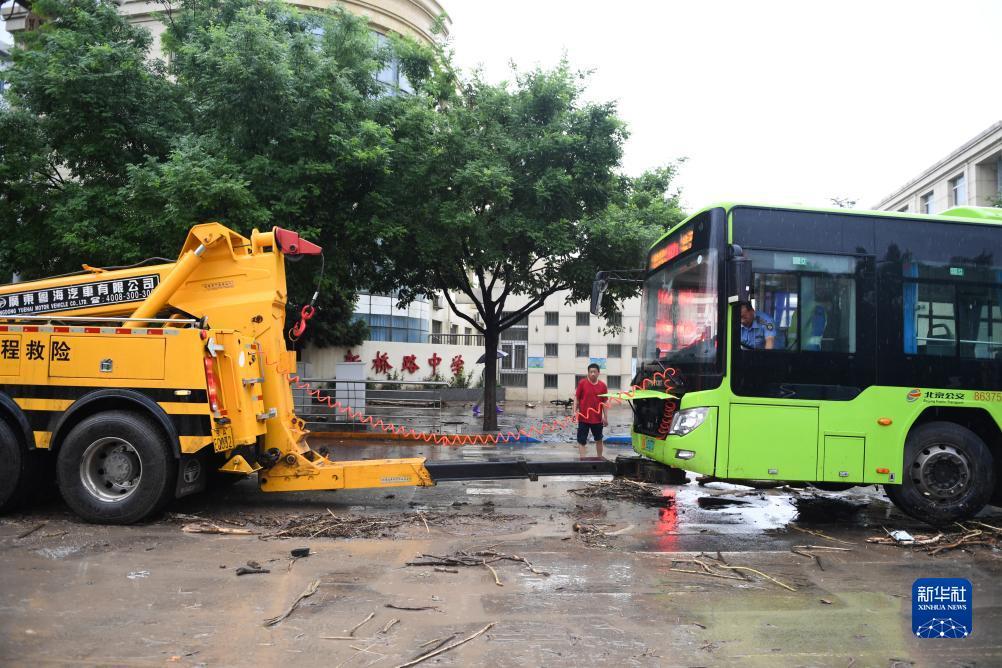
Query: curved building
point(414, 18)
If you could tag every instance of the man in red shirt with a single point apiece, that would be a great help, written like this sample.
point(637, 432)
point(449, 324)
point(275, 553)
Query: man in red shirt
point(589, 407)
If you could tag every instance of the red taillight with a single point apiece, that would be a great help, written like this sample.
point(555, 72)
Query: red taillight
point(211, 385)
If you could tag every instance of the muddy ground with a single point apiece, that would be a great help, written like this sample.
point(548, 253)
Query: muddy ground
point(604, 583)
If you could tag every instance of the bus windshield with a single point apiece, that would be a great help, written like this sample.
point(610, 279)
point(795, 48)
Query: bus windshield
point(679, 309)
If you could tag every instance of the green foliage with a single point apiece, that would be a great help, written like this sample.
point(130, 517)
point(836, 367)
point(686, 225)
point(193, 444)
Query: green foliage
point(461, 379)
point(265, 116)
point(510, 188)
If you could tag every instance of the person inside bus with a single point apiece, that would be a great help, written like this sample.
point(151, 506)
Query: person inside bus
point(758, 331)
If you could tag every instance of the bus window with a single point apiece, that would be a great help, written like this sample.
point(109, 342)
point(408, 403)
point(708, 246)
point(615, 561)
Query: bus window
point(810, 298)
point(979, 322)
point(827, 315)
point(930, 323)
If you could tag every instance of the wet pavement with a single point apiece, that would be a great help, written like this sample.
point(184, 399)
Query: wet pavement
point(152, 595)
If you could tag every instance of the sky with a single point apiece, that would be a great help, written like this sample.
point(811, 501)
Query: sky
point(769, 101)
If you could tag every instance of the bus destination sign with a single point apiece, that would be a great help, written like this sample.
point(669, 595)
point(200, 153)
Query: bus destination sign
point(670, 248)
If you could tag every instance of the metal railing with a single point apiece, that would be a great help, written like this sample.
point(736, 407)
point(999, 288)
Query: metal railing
point(456, 339)
point(413, 404)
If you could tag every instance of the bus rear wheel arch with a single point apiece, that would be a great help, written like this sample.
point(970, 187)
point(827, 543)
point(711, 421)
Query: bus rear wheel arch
point(116, 467)
point(948, 474)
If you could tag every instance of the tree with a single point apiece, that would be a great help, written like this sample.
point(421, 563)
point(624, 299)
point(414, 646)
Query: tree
point(843, 202)
point(510, 189)
point(265, 116)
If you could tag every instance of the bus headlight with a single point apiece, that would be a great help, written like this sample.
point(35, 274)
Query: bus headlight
point(687, 420)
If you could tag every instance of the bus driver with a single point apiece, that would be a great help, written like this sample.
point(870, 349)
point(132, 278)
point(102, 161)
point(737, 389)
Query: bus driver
point(758, 331)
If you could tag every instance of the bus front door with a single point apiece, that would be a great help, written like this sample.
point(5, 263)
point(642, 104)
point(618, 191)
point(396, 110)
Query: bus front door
point(773, 442)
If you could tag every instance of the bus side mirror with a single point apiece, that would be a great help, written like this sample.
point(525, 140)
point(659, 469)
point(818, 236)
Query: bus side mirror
point(739, 275)
point(598, 288)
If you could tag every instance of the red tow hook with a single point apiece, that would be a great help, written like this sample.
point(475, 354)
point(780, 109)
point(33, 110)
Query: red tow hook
point(291, 243)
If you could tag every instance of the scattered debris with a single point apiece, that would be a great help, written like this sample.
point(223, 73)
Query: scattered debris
point(482, 558)
point(329, 525)
point(209, 527)
point(715, 567)
point(361, 624)
point(454, 645)
point(310, 590)
point(988, 536)
point(415, 609)
point(251, 568)
point(183, 517)
point(389, 625)
point(440, 569)
point(819, 534)
point(591, 534)
point(300, 552)
point(825, 601)
point(622, 489)
point(25, 534)
point(138, 575)
point(714, 502)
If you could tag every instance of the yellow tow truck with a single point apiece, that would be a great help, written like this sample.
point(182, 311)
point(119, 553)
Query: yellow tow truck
point(132, 385)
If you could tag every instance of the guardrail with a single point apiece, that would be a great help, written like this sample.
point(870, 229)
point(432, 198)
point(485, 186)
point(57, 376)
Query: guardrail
point(456, 339)
point(417, 405)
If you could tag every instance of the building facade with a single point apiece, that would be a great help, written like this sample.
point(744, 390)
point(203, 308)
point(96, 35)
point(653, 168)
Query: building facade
point(414, 18)
point(969, 176)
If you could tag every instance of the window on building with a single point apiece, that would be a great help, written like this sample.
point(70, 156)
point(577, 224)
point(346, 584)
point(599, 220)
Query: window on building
point(436, 326)
point(958, 191)
point(436, 302)
point(552, 318)
point(581, 350)
point(517, 332)
point(926, 202)
point(577, 380)
point(550, 350)
point(615, 320)
point(633, 352)
point(389, 321)
point(454, 329)
point(615, 351)
point(613, 382)
point(583, 318)
point(392, 76)
point(550, 381)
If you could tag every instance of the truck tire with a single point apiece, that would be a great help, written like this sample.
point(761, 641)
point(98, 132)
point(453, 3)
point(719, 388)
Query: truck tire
point(948, 474)
point(115, 467)
point(20, 469)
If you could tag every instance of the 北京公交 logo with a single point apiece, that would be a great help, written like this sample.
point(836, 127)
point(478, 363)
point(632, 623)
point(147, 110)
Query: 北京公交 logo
point(914, 395)
point(942, 608)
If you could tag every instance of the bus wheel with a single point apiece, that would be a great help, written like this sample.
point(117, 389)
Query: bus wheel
point(20, 469)
point(948, 474)
point(116, 468)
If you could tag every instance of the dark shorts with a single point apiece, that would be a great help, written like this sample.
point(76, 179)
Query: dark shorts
point(584, 428)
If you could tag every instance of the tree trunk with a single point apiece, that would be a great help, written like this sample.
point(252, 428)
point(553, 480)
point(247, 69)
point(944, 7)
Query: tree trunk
point(491, 337)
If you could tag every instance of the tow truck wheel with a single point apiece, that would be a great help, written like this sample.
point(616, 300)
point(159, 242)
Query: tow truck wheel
point(116, 468)
point(20, 469)
point(948, 474)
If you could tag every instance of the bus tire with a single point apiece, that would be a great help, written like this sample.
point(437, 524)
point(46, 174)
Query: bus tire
point(20, 469)
point(948, 474)
point(115, 467)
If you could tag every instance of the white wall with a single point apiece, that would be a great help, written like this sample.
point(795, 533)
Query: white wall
point(322, 361)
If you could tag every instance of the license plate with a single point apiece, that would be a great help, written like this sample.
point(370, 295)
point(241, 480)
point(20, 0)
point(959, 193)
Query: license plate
point(222, 437)
point(649, 445)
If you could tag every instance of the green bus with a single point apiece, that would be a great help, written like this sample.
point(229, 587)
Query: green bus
point(872, 352)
